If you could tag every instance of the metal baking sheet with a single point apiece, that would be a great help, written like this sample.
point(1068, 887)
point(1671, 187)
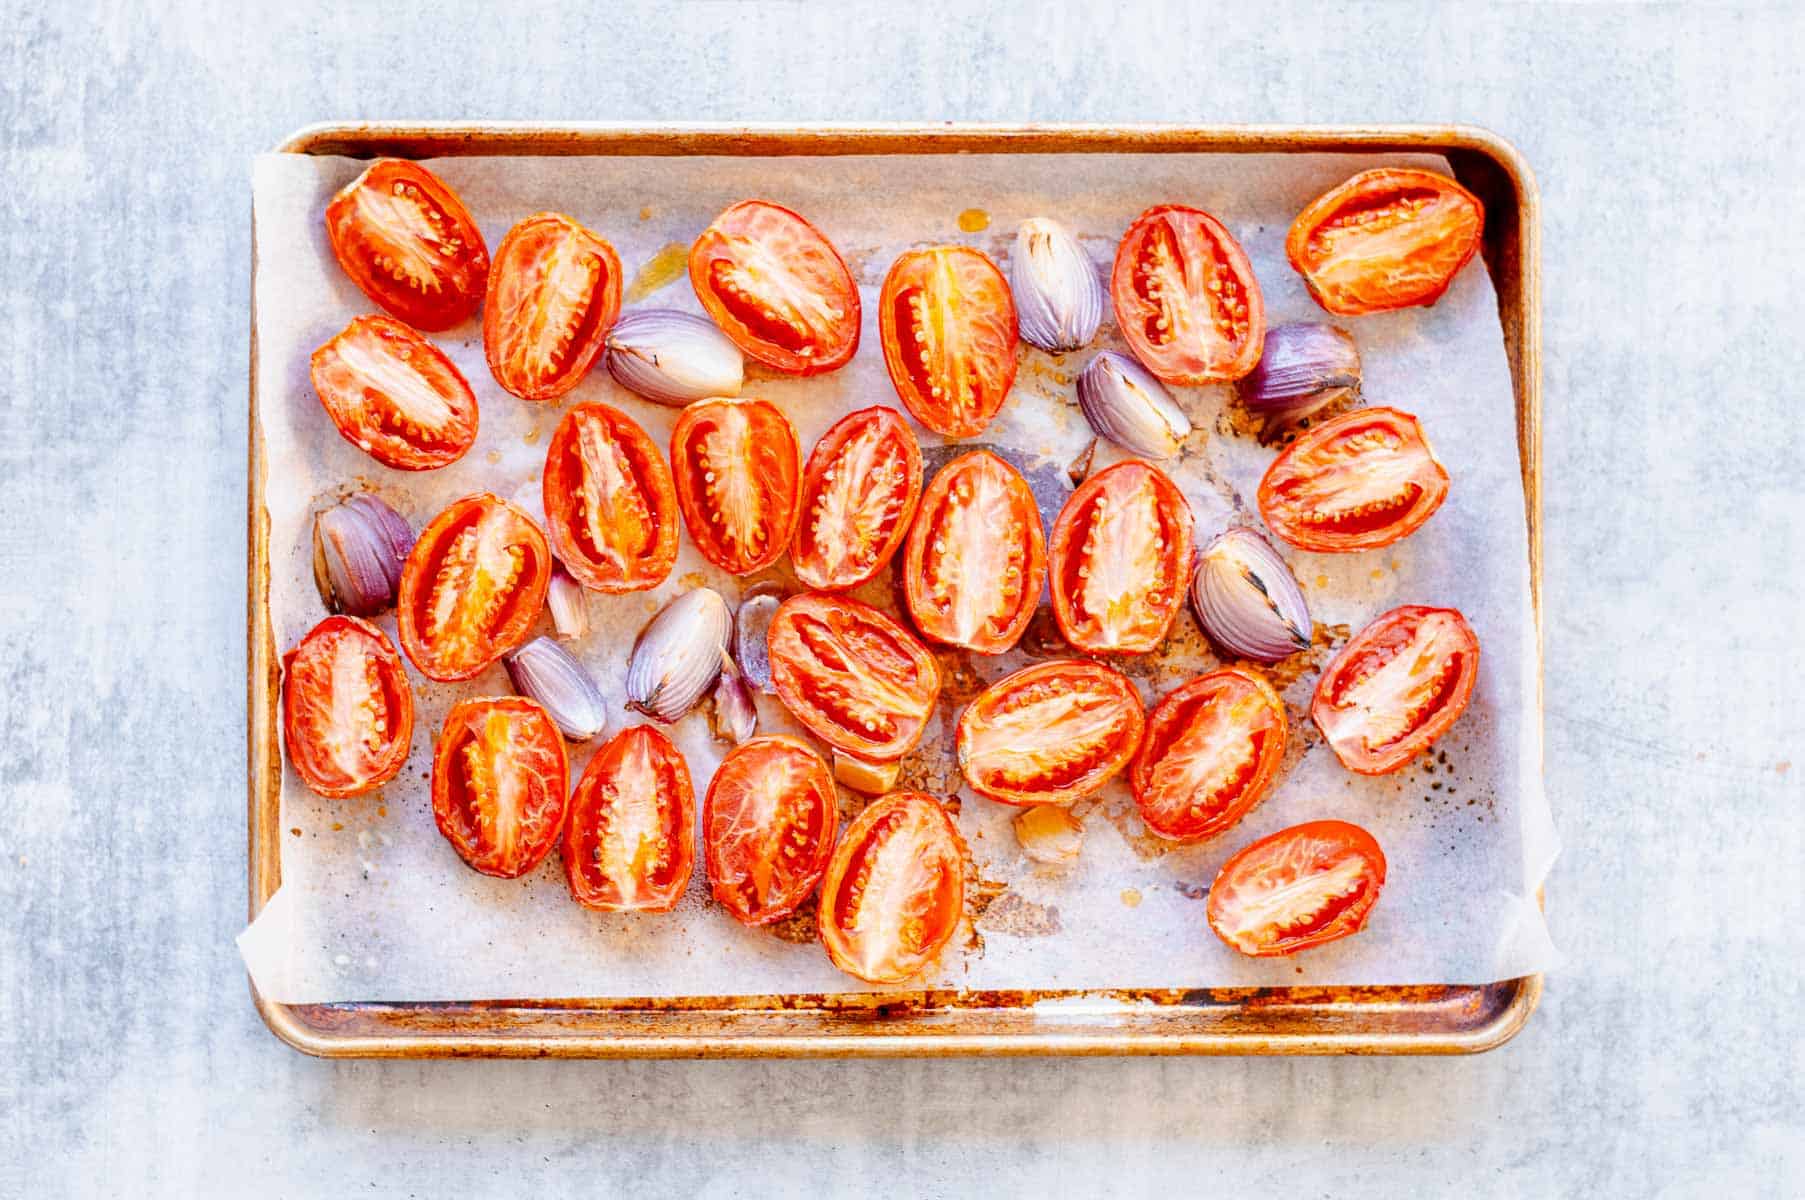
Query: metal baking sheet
point(926, 1022)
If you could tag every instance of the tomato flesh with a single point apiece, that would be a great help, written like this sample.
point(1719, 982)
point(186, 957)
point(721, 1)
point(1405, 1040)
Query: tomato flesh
point(628, 845)
point(1396, 686)
point(553, 295)
point(947, 320)
point(777, 287)
point(858, 496)
point(1359, 481)
point(768, 827)
point(498, 783)
point(1051, 733)
point(1121, 553)
point(976, 558)
point(735, 464)
point(408, 242)
point(854, 678)
point(347, 711)
point(1211, 754)
point(394, 395)
point(895, 890)
point(610, 505)
point(1386, 239)
point(1297, 888)
point(1186, 298)
point(471, 587)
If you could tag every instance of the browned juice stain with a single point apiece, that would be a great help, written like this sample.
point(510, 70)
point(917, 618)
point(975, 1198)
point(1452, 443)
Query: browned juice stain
point(1131, 897)
point(974, 220)
point(671, 261)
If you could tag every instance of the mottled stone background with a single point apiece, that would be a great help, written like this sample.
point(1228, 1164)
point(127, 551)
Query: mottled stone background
point(1664, 1061)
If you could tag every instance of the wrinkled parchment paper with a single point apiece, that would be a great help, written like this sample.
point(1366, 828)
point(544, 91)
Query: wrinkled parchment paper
point(375, 905)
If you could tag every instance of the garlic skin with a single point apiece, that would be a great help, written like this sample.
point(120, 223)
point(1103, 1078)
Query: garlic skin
point(673, 357)
point(1048, 833)
point(1125, 403)
point(1304, 368)
point(543, 670)
point(734, 718)
point(750, 625)
point(359, 547)
point(568, 604)
point(1247, 600)
point(678, 655)
point(1059, 295)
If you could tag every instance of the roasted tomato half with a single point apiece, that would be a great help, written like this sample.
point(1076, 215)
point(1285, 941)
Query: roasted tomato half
point(1396, 687)
point(1186, 298)
point(777, 287)
point(948, 325)
point(471, 587)
point(405, 238)
point(1297, 888)
point(553, 295)
point(1211, 753)
point(976, 558)
point(858, 496)
point(498, 784)
point(610, 506)
point(735, 463)
point(856, 679)
point(394, 395)
point(768, 827)
point(895, 890)
point(1121, 560)
point(1049, 734)
point(347, 712)
point(1385, 239)
point(628, 844)
point(1356, 482)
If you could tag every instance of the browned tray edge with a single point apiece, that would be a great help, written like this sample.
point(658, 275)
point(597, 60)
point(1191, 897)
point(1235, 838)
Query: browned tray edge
point(1325, 1021)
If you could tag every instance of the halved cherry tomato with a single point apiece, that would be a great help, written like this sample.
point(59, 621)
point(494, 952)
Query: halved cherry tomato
point(628, 845)
point(553, 296)
point(498, 784)
point(1211, 752)
point(856, 679)
point(1396, 687)
point(768, 827)
point(1186, 297)
point(976, 558)
point(405, 238)
point(610, 504)
point(895, 890)
point(1387, 238)
point(471, 587)
point(1051, 733)
point(1358, 481)
point(735, 464)
point(394, 395)
point(347, 711)
point(777, 287)
point(858, 496)
point(1121, 557)
point(1297, 888)
point(948, 323)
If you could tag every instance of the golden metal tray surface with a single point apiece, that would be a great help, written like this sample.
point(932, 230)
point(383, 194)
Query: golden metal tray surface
point(1428, 1019)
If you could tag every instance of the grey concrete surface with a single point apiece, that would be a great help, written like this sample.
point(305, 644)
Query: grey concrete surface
point(1665, 1059)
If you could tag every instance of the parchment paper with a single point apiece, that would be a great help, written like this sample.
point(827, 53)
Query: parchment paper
point(375, 905)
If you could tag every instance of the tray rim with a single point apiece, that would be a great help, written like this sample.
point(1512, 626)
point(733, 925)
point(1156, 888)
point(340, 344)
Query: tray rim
point(477, 1023)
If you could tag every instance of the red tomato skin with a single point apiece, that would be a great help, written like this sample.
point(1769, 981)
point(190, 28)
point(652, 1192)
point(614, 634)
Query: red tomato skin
point(1028, 556)
point(812, 857)
point(982, 311)
point(1172, 566)
point(561, 485)
point(1453, 700)
point(1287, 470)
point(853, 621)
point(1244, 331)
point(947, 847)
point(834, 346)
point(536, 725)
point(458, 291)
point(1172, 710)
point(995, 701)
point(1420, 276)
point(814, 573)
point(399, 706)
point(331, 371)
point(517, 257)
point(587, 799)
point(776, 473)
point(1354, 840)
point(421, 572)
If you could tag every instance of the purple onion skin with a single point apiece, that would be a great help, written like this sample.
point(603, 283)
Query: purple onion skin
point(359, 547)
point(673, 358)
point(1304, 368)
point(543, 670)
point(1247, 600)
point(1126, 403)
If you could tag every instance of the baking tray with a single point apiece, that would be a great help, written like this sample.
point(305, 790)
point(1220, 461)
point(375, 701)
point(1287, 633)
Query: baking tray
point(1429, 1019)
